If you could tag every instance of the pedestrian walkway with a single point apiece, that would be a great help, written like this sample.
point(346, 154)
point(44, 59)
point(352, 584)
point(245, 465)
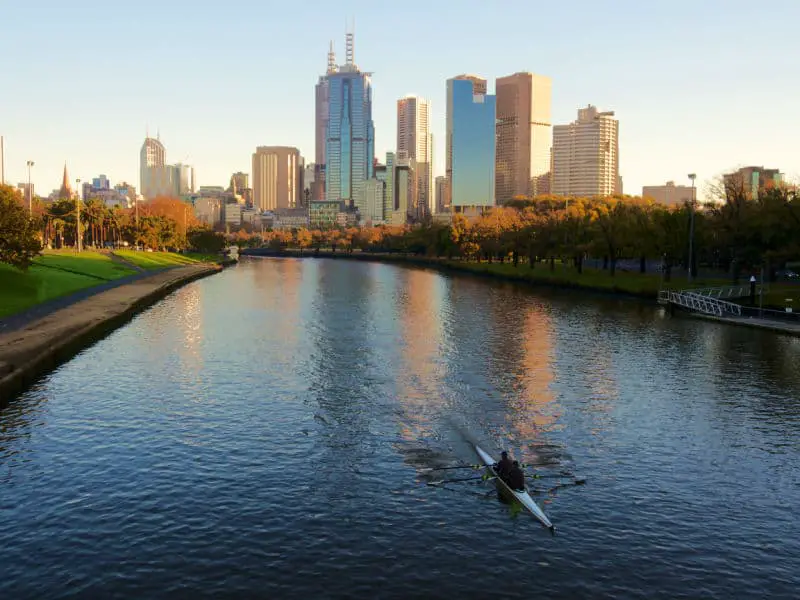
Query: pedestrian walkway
point(776, 325)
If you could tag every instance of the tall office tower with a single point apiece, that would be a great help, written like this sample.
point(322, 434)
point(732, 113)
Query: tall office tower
point(183, 179)
point(586, 155)
point(350, 139)
point(277, 178)
point(387, 175)
point(321, 112)
point(442, 194)
point(154, 178)
point(522, 163)
point(470, 143)
point(414, 142)
point(240, 181)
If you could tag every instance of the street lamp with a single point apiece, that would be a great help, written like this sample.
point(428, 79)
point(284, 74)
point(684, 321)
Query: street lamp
point(78, 206)
point(30, 194)
point(692, 177)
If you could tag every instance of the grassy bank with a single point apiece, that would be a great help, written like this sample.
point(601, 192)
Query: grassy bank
point(59, 273)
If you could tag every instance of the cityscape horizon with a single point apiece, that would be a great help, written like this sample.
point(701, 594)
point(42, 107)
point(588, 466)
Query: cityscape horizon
point(189, 149)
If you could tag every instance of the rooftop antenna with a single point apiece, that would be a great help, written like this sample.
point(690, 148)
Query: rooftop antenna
point(350, 53)
point(331, 59)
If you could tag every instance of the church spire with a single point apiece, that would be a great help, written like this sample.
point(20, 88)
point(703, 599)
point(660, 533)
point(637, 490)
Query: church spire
point(66, 188)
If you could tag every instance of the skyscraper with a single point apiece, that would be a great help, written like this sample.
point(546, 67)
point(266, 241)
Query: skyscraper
point(442, 187)
point(586, 155)
point(321, 112)
point(277, 177)
point(523, 135)
point(414, 142)
point(153, 180)
point(470, 143)
point(350, 139)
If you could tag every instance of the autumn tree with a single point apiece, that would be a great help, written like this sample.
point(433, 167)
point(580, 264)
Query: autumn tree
point(19, 233)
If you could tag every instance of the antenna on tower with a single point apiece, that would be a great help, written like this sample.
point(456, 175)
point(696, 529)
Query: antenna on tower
point(331, 59)
point(350, 52)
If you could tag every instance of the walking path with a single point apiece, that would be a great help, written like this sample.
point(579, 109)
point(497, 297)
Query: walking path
point(70, 324)
point(778, 326)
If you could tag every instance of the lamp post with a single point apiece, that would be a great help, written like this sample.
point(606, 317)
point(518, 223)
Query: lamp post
point(692, 177)
point(30, 192)
point(78, 206)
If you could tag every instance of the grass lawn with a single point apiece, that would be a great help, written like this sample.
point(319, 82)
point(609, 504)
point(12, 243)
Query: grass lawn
point(93, 264)
point(157, 260)
point(778, 293)
point(52, 275)
point(646, 284)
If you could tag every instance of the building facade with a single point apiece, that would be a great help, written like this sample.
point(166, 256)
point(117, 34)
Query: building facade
point(350, 137)
point(668, 194)
point(586, 155)
point(414, 142)
point(524, 136)
point(153, 176)
point(277, 177)
point(747, 182)
point(321, 118)
point(442, 193)
point(470, 154)
point(324, 214)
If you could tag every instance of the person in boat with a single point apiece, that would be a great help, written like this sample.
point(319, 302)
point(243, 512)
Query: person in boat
point(503, 466)
point(516, 478)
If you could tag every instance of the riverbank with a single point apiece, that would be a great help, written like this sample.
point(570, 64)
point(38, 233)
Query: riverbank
point(31, 351)
point(627, 283)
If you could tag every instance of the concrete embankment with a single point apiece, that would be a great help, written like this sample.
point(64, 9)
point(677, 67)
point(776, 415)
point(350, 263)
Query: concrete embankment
point(31, 351)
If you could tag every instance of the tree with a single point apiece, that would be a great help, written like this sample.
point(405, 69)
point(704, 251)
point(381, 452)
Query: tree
point(303, 238)
point(205, 240)
point(19, 234)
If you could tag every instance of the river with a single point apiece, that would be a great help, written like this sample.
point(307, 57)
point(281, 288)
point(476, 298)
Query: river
point(266, 433)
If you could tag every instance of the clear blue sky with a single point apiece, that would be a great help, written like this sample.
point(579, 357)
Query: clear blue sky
point(701, 85)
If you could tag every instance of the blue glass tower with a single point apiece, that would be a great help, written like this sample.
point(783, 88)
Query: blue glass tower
point(471, 127)
point(350, 139)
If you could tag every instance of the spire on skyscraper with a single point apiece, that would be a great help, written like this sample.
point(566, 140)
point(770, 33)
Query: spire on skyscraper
point(331, 60)
point(350, 50)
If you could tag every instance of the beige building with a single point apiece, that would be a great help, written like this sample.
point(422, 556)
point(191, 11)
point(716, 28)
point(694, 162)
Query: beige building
point(669, 194)
point(277, 177)
point(442, 194)
point(586, 155)
point(522, 159)
point(414, 142)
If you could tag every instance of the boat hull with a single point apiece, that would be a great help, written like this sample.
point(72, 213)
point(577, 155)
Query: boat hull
point(523, 498)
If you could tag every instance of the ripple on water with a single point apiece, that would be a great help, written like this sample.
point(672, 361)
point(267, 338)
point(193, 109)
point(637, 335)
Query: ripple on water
point(262, 433)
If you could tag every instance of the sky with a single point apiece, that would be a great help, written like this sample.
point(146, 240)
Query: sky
point(701, 86)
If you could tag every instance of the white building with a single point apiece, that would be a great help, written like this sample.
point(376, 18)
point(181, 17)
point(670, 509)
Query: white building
point(586, 155)
point(374, 190)
point(415, 142)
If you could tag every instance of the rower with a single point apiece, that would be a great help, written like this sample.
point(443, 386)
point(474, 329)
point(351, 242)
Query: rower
point(516, 478)
point(503, 467)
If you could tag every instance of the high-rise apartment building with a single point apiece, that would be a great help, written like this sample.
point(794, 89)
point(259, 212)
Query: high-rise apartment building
point(522, 163)
point(414, 142)
point(321, 112)
point(586, 155)
point(277, 177)
point(470, 154)
point(350, 140)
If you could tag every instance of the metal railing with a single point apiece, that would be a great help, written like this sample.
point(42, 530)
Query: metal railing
point(700, 303)
point(728, 291)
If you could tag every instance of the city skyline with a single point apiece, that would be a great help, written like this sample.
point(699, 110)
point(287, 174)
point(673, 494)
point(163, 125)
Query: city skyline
point(684, 125)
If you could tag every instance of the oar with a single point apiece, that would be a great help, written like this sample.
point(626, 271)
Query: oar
point(428, 469)
point(481, 478)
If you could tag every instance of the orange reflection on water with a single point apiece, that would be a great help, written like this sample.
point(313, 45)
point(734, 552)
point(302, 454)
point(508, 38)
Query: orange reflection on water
point(419, 307)
point(534, 410)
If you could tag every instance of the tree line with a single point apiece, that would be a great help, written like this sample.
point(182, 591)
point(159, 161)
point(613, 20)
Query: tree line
point(161, 224)
point(737, 235)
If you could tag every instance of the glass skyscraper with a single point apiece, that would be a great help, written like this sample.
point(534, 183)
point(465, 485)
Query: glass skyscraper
point(471, 128)
point(350, 139)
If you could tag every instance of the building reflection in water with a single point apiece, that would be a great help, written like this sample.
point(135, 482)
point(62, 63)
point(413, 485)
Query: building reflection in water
point(419, 299)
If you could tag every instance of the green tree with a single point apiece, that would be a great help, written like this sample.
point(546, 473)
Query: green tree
point(19, 234)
